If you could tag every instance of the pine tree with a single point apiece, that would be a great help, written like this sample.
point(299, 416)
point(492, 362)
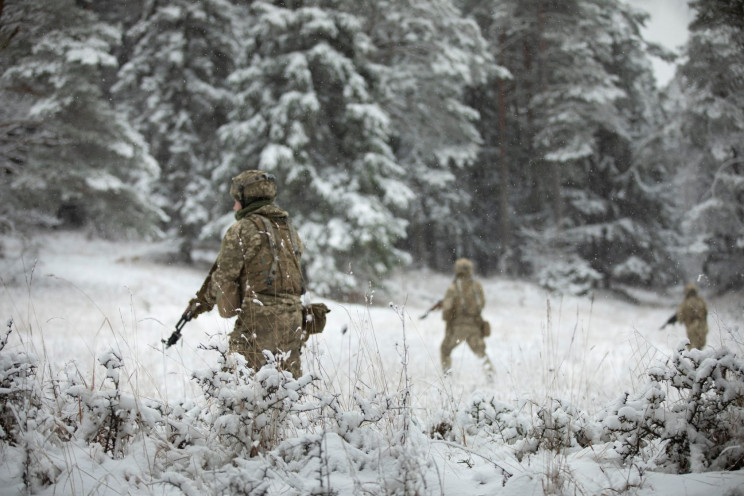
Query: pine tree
point(173, 88)
point(630, 216)
point(68, 157)
point(425, 57)
point(709, 132)
point(306, 113)
point(571, 115)
point(502, 175)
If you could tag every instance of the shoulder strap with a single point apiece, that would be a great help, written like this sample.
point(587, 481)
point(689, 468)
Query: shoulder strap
point(273, 233)
point(458, 285)
point(295, 242)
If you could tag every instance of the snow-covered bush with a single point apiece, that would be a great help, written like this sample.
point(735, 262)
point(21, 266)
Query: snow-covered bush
point(634, 271)
point(105, 416)
point(527, 428)
point(572, 276)
point(693, 404)
point(26, 427)
point(18, 390)
point(265, 432)
point(498, 420)
point(251, 411)
point(692, 410)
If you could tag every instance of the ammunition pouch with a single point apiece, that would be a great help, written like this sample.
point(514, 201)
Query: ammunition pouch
point(448, 315)
point(485, 327)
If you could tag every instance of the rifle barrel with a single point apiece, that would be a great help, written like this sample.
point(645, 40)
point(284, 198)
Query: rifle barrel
point(188, 314)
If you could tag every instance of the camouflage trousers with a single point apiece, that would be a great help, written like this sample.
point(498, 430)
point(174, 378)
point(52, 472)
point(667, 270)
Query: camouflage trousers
point(696, 333)
point(275, 326)
point(457, 332)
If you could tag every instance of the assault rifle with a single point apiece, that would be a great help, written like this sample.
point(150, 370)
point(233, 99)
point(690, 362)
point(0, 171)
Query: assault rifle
point(196, 307)
point(672, 320)
point(185, 317)
point(436, 306)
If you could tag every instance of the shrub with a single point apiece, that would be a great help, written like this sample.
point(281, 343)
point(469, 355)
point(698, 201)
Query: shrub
point(694, 404)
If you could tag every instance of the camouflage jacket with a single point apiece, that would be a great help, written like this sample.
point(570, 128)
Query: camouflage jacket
point(260, 255)
point(692, 309)
point(463, 301)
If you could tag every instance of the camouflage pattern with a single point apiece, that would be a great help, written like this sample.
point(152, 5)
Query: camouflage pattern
point(268, 288)
point(252, 184)
point(693, 313)
point(273, 324)
point(461, 310)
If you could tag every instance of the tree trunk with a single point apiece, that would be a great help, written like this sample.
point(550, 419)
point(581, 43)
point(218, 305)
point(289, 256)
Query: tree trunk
point(554, 170)
point(504, 224)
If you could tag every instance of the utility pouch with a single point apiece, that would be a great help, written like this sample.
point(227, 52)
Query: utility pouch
point(314, 318)
point(448, 314)
point(485, 328)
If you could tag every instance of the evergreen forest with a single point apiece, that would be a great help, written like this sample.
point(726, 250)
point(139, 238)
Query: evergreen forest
point(527, 135)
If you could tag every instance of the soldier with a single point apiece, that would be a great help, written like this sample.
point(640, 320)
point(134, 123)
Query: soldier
point(693, 313)
point(257, 276)
point(461, 310)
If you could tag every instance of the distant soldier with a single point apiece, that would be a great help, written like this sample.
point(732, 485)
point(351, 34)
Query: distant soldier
point(257, 276)
point(693, 313)
point(461, 310)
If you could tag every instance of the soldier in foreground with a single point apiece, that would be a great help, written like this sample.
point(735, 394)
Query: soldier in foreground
point(257, 276)
point(693, 313)
point(461, 310)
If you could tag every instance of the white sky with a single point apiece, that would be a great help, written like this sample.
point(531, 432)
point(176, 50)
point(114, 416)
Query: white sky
point(668, 27)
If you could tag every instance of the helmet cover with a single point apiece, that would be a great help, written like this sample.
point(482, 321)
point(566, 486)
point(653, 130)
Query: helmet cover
point(463, 267)
point(252, 184)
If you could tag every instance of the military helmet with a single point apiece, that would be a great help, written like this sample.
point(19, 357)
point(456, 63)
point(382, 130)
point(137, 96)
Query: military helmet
point(463, 267)
point(253, 184)
point(691, 290)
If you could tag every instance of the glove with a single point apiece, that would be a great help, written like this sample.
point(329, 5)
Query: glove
point(197, 307)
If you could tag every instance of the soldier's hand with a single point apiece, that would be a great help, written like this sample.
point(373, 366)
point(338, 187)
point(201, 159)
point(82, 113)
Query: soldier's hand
point(196, 307)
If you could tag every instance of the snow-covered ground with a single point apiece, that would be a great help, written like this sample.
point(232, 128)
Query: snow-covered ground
point(72, 299)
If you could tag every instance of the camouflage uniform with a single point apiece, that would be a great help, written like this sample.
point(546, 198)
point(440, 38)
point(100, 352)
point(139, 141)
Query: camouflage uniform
point(693, 313)
point(461, 310)
point(259, 265)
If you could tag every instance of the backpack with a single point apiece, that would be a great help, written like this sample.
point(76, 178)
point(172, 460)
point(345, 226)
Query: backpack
point(313, 315)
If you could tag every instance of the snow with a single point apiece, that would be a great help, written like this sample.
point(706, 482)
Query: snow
point(104, 182)
point(274, 154)
point(90, 56)
point(90, 302)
